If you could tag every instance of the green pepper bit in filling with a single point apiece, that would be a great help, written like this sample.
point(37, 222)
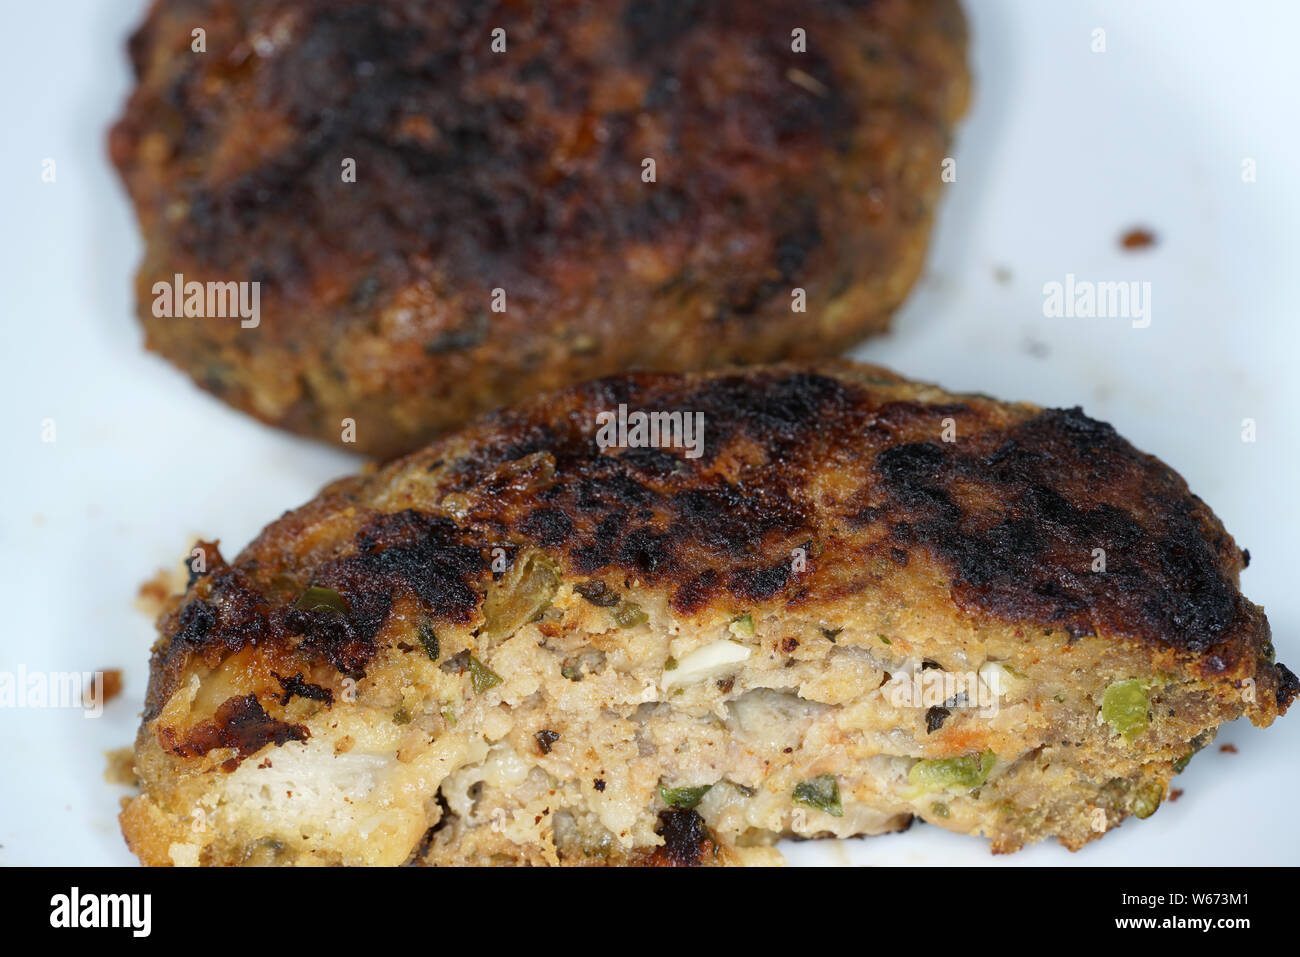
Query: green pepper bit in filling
point(1124, 708)
point(429, 641)
point(683, 798)
point(520, 597)
point(821, 793)
point(318, 596)
point(481, 676)
point(742, 627)
point(629, 614)
point(943, 774)
point(1193, 748)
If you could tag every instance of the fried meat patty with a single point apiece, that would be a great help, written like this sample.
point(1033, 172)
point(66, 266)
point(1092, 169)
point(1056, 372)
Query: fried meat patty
point(523, 171)
point(858, 600)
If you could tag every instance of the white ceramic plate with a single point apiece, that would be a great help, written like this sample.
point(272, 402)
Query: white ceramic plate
point(1064, 151)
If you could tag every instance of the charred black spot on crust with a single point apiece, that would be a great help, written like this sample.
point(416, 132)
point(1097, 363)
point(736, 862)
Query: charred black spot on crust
point(696, 592)
point(780, 412)
point(655, 24)
point(424, 554)
point(239, 723)
point(759, 584)
point(402, 553)
point(687, 842)
point(223, 615)
point(730, 521)
point(649, 512)
point(303, 689)
point(1288, 687)
point(652, 461)
point(795, 246)
point(408, 553)
point(231, 616)
point(346, 641)
point(646, 550)
point(1033, 557)
point(198, 619)
point(547, 526)
point(405, 552)
point(545, 739)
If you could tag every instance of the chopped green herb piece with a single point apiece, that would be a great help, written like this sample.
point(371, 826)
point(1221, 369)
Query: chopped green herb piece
point(629, 614)
point(402, 716)
point(481, 676)
point(1193, 747)
point(742, 627)
point(938, 809)
point(821, 793)
point(318, 596)
point(683, 798)
point(1124, 708)
point(572, 671)
point(942, 774)
point(597, 593)
point(885, 640)
point(670, 663)
point(832, 633)
point(429, 639)
point(522, 595)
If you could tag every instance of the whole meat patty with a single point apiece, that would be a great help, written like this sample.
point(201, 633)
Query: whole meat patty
point(438, 227)
point(670, 619)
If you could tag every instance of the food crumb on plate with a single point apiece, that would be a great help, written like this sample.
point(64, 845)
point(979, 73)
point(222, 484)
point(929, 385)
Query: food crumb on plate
point(1137, 238)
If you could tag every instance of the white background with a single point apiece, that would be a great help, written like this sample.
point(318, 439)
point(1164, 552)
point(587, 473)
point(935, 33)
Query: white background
point(1065, 150)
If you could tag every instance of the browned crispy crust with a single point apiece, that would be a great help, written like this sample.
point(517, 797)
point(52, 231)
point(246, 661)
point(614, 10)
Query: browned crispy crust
point(845, 461)
point(522, 171)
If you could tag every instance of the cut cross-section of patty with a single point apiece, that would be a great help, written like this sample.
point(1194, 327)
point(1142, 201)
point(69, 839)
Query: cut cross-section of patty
point(827, 601)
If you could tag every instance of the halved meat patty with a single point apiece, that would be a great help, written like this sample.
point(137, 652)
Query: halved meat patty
point(444, 218)
point(824, 601)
